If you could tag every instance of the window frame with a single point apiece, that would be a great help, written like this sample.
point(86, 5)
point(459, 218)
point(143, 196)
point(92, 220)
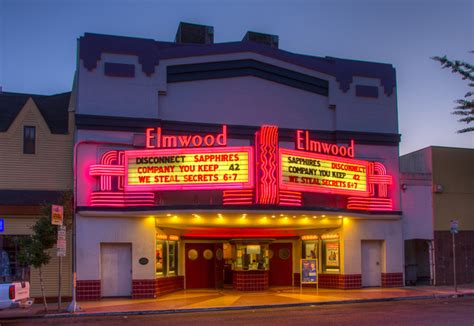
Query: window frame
point(29, 145)
point(166, 257)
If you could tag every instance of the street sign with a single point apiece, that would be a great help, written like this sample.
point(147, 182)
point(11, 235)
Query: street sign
point(454, 226)
point(61, 242)
point(57, 214)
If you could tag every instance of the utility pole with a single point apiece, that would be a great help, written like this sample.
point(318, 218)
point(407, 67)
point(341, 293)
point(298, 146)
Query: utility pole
point(454, 230)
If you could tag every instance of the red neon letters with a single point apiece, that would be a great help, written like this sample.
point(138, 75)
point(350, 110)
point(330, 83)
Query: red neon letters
point(304, 143)
point(155, 139)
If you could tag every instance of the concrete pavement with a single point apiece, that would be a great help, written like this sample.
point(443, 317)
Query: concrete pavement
point(207, 299)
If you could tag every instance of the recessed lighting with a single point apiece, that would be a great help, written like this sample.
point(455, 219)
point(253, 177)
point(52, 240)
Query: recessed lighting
point(273, 216)
point(294, 216)
point(315, 216)
point(340, 216)
point(324, 215)
point(282, 215)
point(168, 214)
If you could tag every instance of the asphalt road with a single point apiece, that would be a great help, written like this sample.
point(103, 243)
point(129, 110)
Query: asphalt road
point(453, 311)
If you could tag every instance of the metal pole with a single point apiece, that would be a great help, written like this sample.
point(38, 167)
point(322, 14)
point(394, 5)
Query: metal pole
point(454, 264)
point(73, 306)
point(59, 282)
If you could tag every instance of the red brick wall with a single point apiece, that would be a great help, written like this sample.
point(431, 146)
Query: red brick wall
point(392, 280)
point(444, 259)
point(88, 290)
point(335, 281)
point(250, 280)
point(143, 289)
point(164, 285)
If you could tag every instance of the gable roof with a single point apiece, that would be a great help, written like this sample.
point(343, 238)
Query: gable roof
point(53, 108)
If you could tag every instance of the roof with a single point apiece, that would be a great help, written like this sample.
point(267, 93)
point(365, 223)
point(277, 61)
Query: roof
point(150, 52)
point(53, 108)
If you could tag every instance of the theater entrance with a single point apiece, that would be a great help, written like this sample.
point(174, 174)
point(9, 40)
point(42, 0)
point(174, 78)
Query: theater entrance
point(204, 265)
point(281, 264)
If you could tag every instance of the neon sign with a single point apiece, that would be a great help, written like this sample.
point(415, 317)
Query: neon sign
point(310, 172)
point(264, 174)
point(156, 139)
point(189, 169)
point(304, 143)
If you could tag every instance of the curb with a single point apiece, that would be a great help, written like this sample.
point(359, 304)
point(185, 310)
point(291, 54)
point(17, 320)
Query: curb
point(239, 308)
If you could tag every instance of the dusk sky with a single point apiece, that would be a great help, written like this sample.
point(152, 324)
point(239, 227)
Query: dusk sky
point(38, 44)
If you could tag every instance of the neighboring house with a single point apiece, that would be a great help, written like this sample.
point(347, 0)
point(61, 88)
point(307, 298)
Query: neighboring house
point(249, 192)
point(36, 146)
point(437, 187)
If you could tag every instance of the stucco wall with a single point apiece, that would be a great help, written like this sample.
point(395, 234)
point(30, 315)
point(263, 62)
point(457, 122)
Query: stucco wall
point(389, 231)
point(417, 206)
point(453, 169)
point(92, 231)
point(247, 100)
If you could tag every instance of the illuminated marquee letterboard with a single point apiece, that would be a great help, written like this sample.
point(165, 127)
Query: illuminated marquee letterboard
point(308, 172)
point(189, 169)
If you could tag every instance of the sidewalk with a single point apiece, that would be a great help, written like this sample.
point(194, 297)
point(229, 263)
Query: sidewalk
point(202, 300)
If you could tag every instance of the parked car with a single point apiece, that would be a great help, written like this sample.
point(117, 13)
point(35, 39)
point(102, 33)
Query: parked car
point(14, 295)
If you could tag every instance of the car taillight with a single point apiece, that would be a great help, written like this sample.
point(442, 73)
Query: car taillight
point(11, 292)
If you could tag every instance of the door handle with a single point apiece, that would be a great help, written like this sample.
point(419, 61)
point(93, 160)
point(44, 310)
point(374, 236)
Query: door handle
point(377, 263)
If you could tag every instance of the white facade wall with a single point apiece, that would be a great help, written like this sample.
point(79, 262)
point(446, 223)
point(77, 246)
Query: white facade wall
point(138, 97)
point(417, 199)
point(92, 231)
point(388, 231)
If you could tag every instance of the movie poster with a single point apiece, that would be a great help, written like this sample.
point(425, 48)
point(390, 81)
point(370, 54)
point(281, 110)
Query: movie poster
point(332, 254)
point(309, 272)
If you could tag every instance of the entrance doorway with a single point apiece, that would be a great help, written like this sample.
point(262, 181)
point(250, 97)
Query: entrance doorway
point(204, 265)
point(116, 269)
point(281, 264)
point(371, 263)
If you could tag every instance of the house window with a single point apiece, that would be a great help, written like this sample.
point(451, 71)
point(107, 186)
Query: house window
point(29, 140)
point(10, 268)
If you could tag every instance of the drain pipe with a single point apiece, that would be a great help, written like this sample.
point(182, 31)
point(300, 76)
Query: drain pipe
point(432, 262)
point(73, 306)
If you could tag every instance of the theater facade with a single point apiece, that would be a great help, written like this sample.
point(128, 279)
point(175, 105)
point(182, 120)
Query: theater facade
point(203, 165)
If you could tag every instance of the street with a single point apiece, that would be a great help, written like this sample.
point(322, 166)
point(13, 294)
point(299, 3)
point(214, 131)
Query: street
point(452, 311)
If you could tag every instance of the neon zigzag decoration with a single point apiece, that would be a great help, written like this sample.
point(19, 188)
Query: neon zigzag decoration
point(377, 178)
point(112, 167)
point(266, 141)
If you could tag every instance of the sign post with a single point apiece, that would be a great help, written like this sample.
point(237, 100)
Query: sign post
point(57, 217)
point(309, 273)
point(454, 229)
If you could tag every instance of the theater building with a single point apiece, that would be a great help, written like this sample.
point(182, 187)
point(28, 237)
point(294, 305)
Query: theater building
point(202, 165)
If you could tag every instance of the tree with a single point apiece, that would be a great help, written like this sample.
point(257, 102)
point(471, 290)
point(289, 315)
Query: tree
point(465, 107)
point(34, 250)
